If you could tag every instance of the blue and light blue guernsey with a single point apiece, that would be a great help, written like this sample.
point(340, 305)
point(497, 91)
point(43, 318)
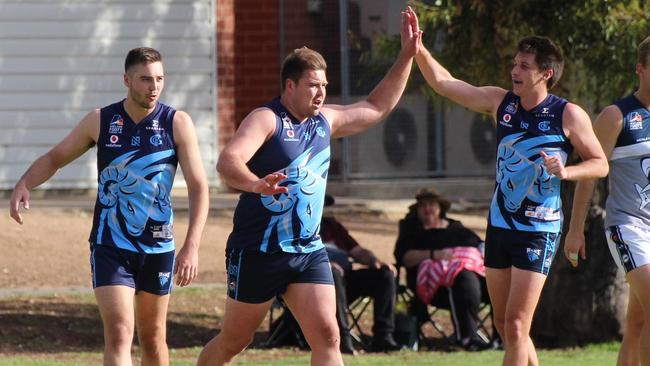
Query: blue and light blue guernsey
point(136, 164)
point(526, 197)
point(628, 202)
point(287, 222)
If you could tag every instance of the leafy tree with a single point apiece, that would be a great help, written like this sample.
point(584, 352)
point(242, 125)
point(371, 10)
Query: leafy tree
point(476, 41)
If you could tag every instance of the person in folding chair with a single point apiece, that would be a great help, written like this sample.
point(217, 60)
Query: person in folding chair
point(376, 279)
point(444, 266)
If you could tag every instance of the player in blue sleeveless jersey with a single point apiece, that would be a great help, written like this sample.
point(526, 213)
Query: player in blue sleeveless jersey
point(623, 130)
point(279, 158)
point(536, 131)
point(139, 141)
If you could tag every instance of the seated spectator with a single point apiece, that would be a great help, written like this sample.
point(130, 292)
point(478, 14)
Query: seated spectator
point(444, 265)
point(375, 279)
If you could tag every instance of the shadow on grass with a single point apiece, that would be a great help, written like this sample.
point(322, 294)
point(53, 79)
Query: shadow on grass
point(54, 325)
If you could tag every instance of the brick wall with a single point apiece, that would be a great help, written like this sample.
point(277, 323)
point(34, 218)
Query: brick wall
point(248, 52)
point(225, 70)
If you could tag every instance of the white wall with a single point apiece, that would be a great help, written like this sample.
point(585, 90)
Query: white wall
point(61, 58)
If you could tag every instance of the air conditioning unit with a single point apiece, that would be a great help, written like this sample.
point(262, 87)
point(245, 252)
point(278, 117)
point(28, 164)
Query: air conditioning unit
point(397, 146)
point(469, 142)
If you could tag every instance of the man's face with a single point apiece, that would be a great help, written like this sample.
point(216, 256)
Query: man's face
point(145, 83)
point(308, 94)
point(526, 74)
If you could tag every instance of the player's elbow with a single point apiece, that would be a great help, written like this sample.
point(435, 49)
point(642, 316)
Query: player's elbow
point(603, 168)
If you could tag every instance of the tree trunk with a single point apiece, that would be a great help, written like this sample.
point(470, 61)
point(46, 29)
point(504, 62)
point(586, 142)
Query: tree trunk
point(585, 304)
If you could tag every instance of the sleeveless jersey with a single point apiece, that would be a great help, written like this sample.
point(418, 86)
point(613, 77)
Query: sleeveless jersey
point(628, 202)
point(288, 222)
point(526, 197)
point(136, 164)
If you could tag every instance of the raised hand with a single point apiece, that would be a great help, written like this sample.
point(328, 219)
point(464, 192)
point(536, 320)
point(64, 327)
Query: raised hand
point(410, 32)
point(269, 184)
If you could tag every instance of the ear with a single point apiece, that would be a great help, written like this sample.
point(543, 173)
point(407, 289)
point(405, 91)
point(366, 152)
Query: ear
point(125, 79)
point(289, 84)
point(548, 74)
point(638, 69)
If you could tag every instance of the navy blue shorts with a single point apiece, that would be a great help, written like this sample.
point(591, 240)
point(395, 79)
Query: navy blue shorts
point(151, 273)
point(255, 277)
point(527, 250)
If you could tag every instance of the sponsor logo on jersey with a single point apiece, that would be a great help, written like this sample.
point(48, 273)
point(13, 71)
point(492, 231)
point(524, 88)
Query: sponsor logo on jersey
point(542, 213)
point(512, 108)
point(113, 139)
point(155, 126)
point(636, 121)
point(544, 125)
point(290, 133)
point(135, 140)
point(505, 121)
point(162, 231)
point(117, 122)
point(156, 140)
point(524, 125)
point(320, 131)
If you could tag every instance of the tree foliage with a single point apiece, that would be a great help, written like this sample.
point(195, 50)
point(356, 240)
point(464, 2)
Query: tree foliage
point(476, 41)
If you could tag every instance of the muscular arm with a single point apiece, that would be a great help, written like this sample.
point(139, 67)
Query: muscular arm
point(186, 266)
point(79, 140)
point(607, 127)
point(581, 134)
point(354, 118)
point(253, 132)
point(479, 99)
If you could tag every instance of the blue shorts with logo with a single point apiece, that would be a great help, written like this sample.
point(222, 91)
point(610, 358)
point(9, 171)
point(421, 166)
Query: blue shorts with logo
point(527, 250)
point(151, 273)
point(255, 277)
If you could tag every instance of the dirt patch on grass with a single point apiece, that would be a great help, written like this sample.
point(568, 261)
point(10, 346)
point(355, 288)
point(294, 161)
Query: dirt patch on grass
point(50, 253)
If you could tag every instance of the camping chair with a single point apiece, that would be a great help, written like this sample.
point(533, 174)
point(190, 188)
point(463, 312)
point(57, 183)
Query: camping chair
point(283, 328)
point(428, 314)
point(356, 309)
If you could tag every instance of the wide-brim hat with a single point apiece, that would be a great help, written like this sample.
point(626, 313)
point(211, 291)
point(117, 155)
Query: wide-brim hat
point(430, 194)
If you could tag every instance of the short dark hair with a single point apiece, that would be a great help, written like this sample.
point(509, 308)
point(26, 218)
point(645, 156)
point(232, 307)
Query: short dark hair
point(299, 61)
point(141, 55)
point(643, 51)
point(547, 56)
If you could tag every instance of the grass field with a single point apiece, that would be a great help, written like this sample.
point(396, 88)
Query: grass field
point(64, 330)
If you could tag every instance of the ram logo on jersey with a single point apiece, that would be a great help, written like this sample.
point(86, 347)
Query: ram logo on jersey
point(644, 191)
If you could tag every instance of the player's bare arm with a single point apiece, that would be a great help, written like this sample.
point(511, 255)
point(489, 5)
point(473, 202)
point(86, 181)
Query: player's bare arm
point(578, 128)
point(606, 128)
point(351, 119)
point(78, 141)
point(484, 99)
point(254, 130)
point(187, 260)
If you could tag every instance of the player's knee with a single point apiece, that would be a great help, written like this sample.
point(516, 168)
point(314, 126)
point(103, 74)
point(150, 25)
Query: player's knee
point(118, 335)
point(515, 330)
point(153, 343)
point(236, 342)
point(326, 336)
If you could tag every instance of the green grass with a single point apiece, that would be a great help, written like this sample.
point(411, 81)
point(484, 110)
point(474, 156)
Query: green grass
point(593, 355)
point(32, 335)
